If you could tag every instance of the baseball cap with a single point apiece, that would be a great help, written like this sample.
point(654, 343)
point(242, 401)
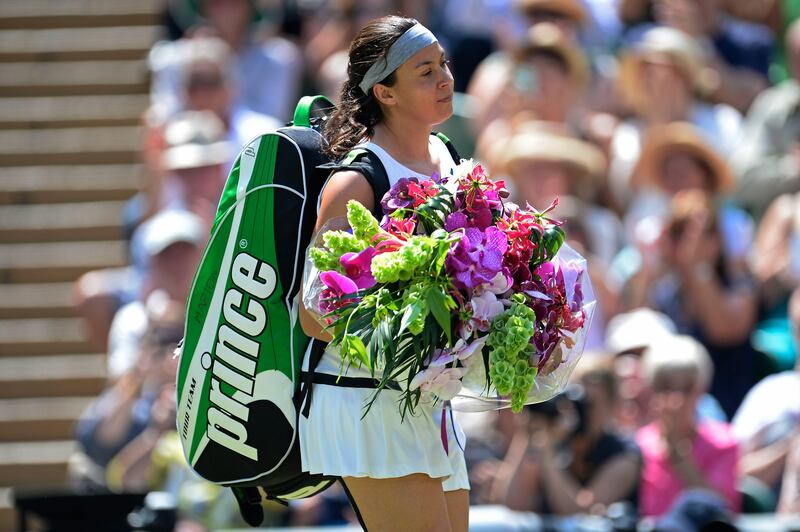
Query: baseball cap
point(170, 227)
point(195, 139)
point(637, 330)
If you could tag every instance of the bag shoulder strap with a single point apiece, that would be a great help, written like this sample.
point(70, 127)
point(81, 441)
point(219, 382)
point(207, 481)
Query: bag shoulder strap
point(449, 145)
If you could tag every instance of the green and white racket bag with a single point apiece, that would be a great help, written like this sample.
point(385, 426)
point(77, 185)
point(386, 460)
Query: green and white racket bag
point(240, 361)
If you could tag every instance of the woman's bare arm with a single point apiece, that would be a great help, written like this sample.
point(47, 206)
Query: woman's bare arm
point(341, 188)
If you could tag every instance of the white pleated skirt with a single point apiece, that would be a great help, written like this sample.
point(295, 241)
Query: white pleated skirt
point(335, 440)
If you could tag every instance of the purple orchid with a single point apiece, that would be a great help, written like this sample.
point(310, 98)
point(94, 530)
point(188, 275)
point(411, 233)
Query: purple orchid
point(476, 257)
point(398, 196)
point(455, 221)
point(357, 267)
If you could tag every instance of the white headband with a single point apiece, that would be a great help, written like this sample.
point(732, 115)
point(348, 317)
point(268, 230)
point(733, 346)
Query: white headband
point(412, 41)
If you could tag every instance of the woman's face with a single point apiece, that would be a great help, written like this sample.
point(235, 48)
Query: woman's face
point(675, 394)
point(423, 88)
point(551, 93)
point(664, 83)
point(681, 171)
point(539, 182)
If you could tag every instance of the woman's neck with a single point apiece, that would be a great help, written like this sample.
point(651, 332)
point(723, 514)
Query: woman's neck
point(406, 142)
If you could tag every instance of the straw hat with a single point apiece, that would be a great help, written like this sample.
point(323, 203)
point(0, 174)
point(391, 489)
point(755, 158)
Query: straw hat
point(538, 141)
point(676, 47)
point(546, 37)
point(679, 137)
point(571, 9)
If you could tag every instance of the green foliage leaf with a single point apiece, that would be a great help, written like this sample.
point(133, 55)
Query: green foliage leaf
point(354, 349)
point(438, 305)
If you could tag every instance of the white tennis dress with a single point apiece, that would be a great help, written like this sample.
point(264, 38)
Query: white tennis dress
point(334, 440)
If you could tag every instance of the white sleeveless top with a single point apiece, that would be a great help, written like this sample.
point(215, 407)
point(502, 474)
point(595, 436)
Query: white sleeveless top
point(395, 170)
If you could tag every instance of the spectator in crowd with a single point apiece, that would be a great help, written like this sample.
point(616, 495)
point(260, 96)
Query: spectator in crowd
point(789, 502)
point(544, 77)
point(680, 452)
point(566, 456)
point(688, 275)
point(676, 157)
point(208, 85)
point(662, 78)
point(775, 262)
point(172, 243)
point(188, 172)
point(488, 436)
point(195, 158)
point(768, 158)
point(628, 336)
point(544, 161)
point(193, 154)
point(568, 15)
point(267, 69)
point(768, 421)
point(137, 401)
point(738, 52)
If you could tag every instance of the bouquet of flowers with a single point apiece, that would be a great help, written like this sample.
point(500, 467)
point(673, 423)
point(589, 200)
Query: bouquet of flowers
point(455, 292)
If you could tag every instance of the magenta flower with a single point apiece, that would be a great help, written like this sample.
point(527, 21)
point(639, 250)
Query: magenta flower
point(338, 286)
point(357, 267)
point(476, 257)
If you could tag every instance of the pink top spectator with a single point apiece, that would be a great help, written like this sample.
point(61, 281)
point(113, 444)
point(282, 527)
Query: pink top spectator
point(715, 453)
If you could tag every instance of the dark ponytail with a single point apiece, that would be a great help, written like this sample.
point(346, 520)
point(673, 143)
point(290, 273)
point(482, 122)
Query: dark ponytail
point(357, 113)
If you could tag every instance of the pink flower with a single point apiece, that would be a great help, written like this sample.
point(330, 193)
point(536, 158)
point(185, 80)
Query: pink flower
point(357, 267)
point(464, 351)
point(500, 284)
point(485, 308)
point(442, 381)
point(338, 286)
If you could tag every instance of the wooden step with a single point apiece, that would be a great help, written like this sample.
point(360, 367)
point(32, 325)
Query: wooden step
point(43, 336)
point(41, 300)
point(28, 376)
point(64, 221)
point(76, 44)
point(19, 14)
point(56, 184)
point(71, 111)
point(37, 419)
point(8, 515)
point(35, 464)
point(100, 145)
point(64, 78)
point(59, 261)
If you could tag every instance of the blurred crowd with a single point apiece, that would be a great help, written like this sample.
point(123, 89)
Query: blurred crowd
point(670, 132)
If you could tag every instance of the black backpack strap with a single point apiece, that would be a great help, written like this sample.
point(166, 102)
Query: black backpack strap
point(369, 165)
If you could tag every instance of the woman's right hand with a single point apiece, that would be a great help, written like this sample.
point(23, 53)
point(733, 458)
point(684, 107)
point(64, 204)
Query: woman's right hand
point(340, 188)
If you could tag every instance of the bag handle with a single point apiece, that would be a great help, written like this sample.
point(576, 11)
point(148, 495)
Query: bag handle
point(302, 113)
